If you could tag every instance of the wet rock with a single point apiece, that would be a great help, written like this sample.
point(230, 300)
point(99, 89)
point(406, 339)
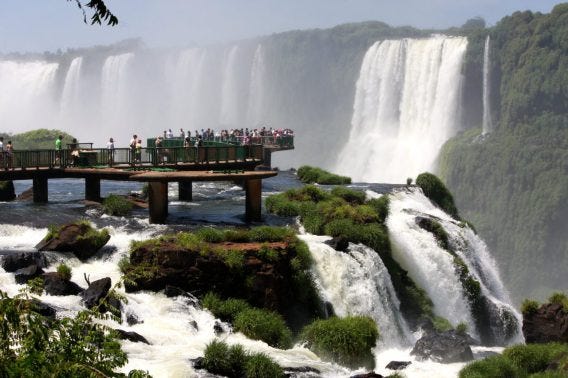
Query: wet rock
point(218, 328)
point(12, 261)
point(549, 323)
point(77, 238)
point(193, 324)
point(26, 195)
point(198, 363)
point(55, 285)
point(42, 308)
point(443, 347)
point(338, 243)
point(397, 365)
point(25, 274)
point(328, 310)
point(131, 336)
point(132, 319)
point(371, 374)
point(7, 192)
point(95, 292)
point(304, 371)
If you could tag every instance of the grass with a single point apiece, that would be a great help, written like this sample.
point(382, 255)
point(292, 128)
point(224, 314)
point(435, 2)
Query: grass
point(310, 175)
point(64, 272)
point(116, 205)
point(346, 341)
point(234, 361)
point(226, 310)
point(261, 324)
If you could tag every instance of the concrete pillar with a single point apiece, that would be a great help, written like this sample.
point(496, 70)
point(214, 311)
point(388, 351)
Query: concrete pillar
point(185, 191)
point(158, 201)
point(40, 189)
point(253, 190)
point(92, 189)
point(267, 157)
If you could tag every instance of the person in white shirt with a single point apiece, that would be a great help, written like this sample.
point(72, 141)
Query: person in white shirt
point(110, 148)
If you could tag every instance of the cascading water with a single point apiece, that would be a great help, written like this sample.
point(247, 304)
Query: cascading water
point(71, 95)
point(407, 104)
point(26, 89)
point(114, 93)
point(487, 121)
point(230, 92)
point(256, 92)
point(358, 283)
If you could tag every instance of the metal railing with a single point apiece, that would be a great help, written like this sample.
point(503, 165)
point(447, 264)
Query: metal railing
point(102, 157)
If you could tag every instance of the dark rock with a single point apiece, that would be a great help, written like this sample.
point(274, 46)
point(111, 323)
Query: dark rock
point(302, 369)
point(43, 308)
point(74, 238)
point(328, 310)
point(114, 305)
point(397, 365)
point(370, 374)
point(132, 319)
point(26, 195)
point(25, 274)
point(55, 285)
point(444, 347)
point(193, 323)
point(338, 243)
point(432, 226)
point(218, 328)
point(549, 323)
point(198, 363)
point(7, 192)
point(131, 336)
point(13, 261)
point(96, 291)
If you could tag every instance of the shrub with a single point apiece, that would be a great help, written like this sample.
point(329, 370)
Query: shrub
point(441, 324)
point(278, 204)
point(409, 181)
point(461, 328)
point(260, 365)
point(116, 205)
point(216, 359)
point(210, 235)
point(437, 192)
point(349, 195)
point(495, 366)
point(313, 193)
point(381, 206)
point(237, 236)
point(311, 175)
point(226, 310)
point(124, 264)
point(559, 298)
point(36, 285)
point(529, 306)
point(270, 234)
point(533, 358)
point(64, 272)
point(347, 341)
point(260, 324)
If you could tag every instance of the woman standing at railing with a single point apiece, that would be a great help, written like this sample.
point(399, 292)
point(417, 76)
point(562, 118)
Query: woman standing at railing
point(110, 148)
point(9, 155)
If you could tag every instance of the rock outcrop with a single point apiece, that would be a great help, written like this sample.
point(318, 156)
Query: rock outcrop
point(547, 324)
point(79, 238)
point(445, 347)
point(96, 291)
point(53, 284)
point(7, 191)
point(12, 261)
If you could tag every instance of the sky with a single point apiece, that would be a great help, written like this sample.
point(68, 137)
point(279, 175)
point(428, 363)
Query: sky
point(48, 25)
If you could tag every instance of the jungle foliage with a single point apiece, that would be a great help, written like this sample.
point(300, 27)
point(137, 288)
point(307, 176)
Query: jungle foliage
point(37, 139)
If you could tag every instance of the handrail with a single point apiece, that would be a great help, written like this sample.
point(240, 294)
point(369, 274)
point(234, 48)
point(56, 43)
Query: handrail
point(123, 157)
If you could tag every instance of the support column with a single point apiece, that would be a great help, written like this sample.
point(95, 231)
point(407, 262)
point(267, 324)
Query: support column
point(185, 191)
point(92, 189)
point(267, 157)
point(253, 190)
point(40, 189)
point(158, 201)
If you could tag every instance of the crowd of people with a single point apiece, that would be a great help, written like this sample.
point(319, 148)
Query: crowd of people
point(261, 135)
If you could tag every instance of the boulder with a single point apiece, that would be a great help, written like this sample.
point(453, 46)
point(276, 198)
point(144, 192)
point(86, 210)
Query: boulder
point(397, 365)
point(132, 319)
point(302, 371)
point(338, 243)
point(55, 285)
point(549, 323)
point(7, 191)
point(26, 195)
point(25, 274)
point(13, 261)
point(95, 292)
point(79, 238)
point(131, 336)
point(370, 374)
point(444, 347)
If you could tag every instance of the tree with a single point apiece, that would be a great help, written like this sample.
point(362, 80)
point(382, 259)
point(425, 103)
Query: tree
point(101, 12)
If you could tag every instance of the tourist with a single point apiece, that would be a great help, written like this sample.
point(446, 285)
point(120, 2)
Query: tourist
point(132, 146)
point(169, 134)
point(159, 144)
point(1, 150)
point(181, 133)
point(138, 153)
point(110, 148)
point(74, 152)
point(187, 147)
point(9, 155)
point(58, 142)
point(198, 143)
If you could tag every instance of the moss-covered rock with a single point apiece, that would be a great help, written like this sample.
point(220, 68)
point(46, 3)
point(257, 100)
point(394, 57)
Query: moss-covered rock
point(310, 175)
point(547, 322)
point(437, 192)
point(7, 191)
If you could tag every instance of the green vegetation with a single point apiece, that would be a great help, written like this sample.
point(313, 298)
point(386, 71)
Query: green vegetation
point(313, 175)
point(226, 310)
point(116, 205)
point(441, 324)
point(529, 307)
point(234, 361)
point(97, 238)
point(437, 192)
point(512, 183)
point(559, 298)
point(37, 139)
point(521, 361)
point(347, 341)
point(261, 324)
point(64, 272)
point(34, 346)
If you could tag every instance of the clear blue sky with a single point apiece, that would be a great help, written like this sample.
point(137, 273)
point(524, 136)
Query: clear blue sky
point(40, 25)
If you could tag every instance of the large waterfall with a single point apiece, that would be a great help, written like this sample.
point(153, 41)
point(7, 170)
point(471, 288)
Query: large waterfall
point(487, 121)
point(407, 104)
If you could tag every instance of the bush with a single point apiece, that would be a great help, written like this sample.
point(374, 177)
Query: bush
point(271, 234)
point(462, 328)
point(216, 359)
point(64, 272)
point(312, 175)
point(441, 324)
point(381, 206)
point(437, 192)
point(237, 236)
point(278, 204)
point(226, 310)
point(210, 235)
point(261, 366)
point(347, 341)
point(529, 306)
point(533, 358)
point(116, 205)
point(260, 324)
point(559, 298)
point(495, 366)
point(349, 195)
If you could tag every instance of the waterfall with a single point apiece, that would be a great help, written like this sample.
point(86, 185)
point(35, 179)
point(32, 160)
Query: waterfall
point(71, 91)
point(487, 122)
point(256, 91)
point(357, 283)
point(229, 116)
point(26, 90)
point(115, 86)
point(407, 104)
point(432, 268)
